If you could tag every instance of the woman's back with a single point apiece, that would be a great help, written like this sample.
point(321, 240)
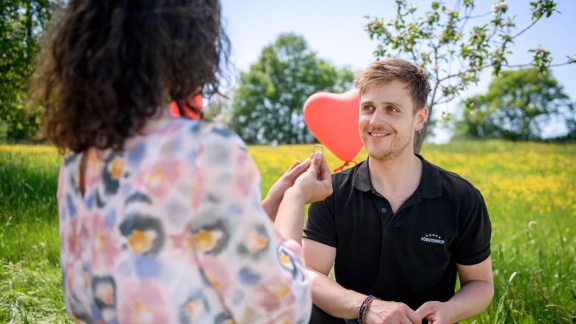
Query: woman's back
point(170, 229)
point(160, 217)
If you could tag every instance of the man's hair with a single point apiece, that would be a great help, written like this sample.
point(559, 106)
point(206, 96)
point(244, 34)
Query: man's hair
point(107, 66)
point(389, 69)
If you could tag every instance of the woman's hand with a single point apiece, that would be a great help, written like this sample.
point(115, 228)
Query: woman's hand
point(276, 192)
point(315, 183)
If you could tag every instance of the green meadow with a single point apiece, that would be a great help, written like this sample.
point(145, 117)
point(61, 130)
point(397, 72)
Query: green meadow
point(530, 190)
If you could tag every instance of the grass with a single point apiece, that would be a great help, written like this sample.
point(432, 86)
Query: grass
point(30, 277)
point(529, 189)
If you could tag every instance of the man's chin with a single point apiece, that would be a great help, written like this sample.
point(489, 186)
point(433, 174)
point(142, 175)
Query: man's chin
point(380, 155)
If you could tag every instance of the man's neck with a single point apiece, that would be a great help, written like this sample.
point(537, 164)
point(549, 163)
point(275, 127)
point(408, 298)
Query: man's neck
point(396, 175)
point(396, 170)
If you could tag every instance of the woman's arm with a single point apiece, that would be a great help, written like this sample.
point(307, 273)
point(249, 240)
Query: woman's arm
point(255, 266)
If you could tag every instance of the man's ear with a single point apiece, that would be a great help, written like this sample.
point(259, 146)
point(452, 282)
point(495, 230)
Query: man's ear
point(421, 117)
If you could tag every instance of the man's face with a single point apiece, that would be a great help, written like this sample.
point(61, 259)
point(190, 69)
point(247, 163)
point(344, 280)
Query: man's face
point(387, 121)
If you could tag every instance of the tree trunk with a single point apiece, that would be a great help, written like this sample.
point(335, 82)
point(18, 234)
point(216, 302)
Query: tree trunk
point(419, 138)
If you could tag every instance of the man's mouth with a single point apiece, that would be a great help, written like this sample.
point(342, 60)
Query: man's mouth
point(378, 134)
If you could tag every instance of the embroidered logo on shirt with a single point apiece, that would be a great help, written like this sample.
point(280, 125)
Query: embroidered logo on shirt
point(432, 238)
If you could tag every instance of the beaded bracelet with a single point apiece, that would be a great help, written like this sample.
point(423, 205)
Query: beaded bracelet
point(364, 309)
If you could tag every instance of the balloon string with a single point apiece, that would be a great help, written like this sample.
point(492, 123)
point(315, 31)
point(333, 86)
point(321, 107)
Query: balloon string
point(347, 163)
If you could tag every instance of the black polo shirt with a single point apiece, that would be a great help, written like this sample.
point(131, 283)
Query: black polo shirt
point(409, 256)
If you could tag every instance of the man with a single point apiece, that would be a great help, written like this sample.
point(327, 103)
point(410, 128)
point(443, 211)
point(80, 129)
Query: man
point(397, 227)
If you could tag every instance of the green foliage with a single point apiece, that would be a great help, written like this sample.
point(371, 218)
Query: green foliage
point(527, 187)
point(518, 106)
point(30, 276)
point(455, 44)
point(269, 100)
point(220, 110)
point(22, 26)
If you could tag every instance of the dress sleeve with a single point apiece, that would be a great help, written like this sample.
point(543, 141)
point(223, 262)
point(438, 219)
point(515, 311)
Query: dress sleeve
point(258, 276)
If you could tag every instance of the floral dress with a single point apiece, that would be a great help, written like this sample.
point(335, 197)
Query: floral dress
point(170, 229)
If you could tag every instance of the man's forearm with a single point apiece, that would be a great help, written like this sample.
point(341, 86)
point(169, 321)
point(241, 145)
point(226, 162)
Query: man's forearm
point(333, 298)
point(270, 206)
point(470, 300)
point(288, 220)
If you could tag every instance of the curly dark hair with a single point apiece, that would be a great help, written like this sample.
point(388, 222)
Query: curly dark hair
point(109, 65)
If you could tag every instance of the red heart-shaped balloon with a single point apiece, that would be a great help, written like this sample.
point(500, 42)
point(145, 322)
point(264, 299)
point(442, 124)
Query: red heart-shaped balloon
point(333, 119)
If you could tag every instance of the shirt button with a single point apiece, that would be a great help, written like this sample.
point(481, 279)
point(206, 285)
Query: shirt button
point(383, 210)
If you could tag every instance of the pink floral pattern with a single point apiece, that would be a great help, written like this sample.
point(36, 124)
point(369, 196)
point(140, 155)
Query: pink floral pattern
point(170, 230)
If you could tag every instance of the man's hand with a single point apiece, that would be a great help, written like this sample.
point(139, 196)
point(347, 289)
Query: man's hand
point(312, 185)
point(476, 292)
point(435, 312)
point(315, 183)
point(381, 312)
point(276, 192)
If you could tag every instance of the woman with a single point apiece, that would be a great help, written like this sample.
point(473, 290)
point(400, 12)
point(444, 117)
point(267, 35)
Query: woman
point(160, 218)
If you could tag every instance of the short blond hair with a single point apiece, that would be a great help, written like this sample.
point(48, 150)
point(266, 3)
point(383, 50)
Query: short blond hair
point(389, 69)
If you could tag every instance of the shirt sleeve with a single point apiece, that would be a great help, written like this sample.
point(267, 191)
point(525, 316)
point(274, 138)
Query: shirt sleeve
point(320, 224)
point(475, 231)
point(258, 275)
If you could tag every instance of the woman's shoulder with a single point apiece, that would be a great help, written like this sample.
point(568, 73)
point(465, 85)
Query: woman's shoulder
point(182, 132)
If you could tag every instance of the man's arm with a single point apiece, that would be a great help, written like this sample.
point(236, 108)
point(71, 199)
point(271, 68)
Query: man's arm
point(475, 294)
point(326, 293)
point(340, 302)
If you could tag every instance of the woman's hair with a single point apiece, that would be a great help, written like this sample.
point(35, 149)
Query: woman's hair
point(389, 69)
point(109, 65)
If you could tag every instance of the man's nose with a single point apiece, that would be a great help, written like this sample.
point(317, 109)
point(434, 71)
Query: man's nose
point(378, 117)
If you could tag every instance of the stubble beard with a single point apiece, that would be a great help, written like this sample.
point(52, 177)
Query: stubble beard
point(392, 152)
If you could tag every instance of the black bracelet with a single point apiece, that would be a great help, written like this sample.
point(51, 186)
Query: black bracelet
point(364, 309)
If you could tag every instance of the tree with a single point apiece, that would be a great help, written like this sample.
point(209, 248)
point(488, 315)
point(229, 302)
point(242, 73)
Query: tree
point(219, 110)
point(22, 26)
point(446, 42)
point(269, 100)
point(519, 105)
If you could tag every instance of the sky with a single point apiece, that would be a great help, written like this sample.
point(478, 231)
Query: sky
point(334, 29)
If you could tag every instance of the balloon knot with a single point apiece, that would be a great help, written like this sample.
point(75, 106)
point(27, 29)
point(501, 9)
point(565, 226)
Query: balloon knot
point(347, 163)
